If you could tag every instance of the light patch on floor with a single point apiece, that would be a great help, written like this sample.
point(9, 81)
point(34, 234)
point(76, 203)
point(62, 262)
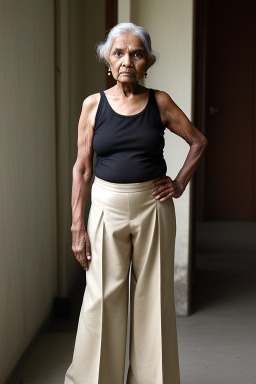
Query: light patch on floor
point(49, 359)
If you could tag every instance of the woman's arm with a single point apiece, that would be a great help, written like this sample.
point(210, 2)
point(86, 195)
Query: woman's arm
point(177, 122)
point(82, 174)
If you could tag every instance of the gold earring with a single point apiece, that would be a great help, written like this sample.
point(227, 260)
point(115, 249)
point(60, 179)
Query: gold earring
point(109, 71)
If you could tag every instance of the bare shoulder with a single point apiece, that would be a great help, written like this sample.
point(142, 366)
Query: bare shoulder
point(89, 110)
point(163, 99)
point(166, 106)
point(87, 117)
point(91, 102)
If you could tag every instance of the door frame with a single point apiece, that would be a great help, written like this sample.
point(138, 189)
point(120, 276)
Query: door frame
point(199, 106)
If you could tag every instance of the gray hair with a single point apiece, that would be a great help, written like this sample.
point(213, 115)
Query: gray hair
point(103, 47)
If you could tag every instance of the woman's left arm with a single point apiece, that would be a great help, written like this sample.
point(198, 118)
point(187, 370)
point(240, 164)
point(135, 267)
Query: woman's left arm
point(177, 122)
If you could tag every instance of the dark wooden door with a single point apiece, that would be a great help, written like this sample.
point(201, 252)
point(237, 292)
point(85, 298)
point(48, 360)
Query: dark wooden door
point(229, 110)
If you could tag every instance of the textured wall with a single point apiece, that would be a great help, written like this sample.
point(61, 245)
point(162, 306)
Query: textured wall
point(28, 261)
point(38, 147)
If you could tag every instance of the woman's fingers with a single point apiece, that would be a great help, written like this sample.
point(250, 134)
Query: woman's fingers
point(162, 191)
point(170, 189)
point(82, 260)
point(165, 194)
point(81, 247)
point(167, 190)
point(88, 247)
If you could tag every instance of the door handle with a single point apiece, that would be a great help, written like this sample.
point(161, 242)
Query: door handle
point(214, 111)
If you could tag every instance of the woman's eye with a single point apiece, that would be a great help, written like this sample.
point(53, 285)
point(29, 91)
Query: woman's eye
point(117, 53)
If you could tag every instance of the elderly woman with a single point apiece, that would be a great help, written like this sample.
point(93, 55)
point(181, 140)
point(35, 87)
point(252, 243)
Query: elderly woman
point(131, 223)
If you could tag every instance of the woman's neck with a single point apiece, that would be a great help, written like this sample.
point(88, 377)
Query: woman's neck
point(127, 88)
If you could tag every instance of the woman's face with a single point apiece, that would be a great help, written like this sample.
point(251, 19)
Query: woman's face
point(127, 58)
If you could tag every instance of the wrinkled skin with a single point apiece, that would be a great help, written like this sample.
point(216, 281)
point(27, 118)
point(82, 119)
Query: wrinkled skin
point(128, 63)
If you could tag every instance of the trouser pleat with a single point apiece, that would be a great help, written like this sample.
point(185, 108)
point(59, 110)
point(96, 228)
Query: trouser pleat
point(115, 279)
point(170, 357)
point(153, 342)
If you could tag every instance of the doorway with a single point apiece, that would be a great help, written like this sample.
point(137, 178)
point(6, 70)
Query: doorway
point(224, 201)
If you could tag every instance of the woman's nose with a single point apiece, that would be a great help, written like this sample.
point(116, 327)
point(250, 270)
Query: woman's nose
point(127, 60)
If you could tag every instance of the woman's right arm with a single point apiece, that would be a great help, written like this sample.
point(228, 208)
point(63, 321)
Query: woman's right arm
point(82, 174)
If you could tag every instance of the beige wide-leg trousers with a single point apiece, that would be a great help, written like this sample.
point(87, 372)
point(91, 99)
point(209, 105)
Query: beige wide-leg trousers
point(127, 225)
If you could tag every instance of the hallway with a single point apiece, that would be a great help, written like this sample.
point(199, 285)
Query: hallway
point(216, 343)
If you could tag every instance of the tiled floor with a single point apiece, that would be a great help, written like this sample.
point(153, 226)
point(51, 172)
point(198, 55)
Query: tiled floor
point(217, 343)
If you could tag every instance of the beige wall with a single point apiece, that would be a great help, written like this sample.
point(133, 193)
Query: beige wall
point(170, 24)
point(28, 263)
point(37, 153)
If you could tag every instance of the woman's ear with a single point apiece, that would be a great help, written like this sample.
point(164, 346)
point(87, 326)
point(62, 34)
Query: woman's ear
point(151, 61)
point(106, 57)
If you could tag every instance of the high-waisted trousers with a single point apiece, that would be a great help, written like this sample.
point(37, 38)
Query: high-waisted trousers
point(129, 229)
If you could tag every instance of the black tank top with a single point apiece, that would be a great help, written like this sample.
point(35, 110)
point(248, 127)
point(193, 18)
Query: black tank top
point(129, 149)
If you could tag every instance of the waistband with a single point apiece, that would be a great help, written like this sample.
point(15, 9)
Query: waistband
point(124, 187)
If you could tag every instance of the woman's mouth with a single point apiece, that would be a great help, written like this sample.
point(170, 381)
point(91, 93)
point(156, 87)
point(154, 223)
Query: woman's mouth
point(126, 73)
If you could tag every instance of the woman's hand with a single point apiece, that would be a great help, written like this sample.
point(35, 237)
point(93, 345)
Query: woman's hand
point(81, 246)
point(169, 188)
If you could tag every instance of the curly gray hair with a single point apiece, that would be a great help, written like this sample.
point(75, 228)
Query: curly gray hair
point(103, 47)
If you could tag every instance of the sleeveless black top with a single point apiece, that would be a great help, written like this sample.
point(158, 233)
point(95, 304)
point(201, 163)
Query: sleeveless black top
point(129, 148)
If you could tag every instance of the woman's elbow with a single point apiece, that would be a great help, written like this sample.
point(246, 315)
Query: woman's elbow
point(199, 145)
point(204, 142)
